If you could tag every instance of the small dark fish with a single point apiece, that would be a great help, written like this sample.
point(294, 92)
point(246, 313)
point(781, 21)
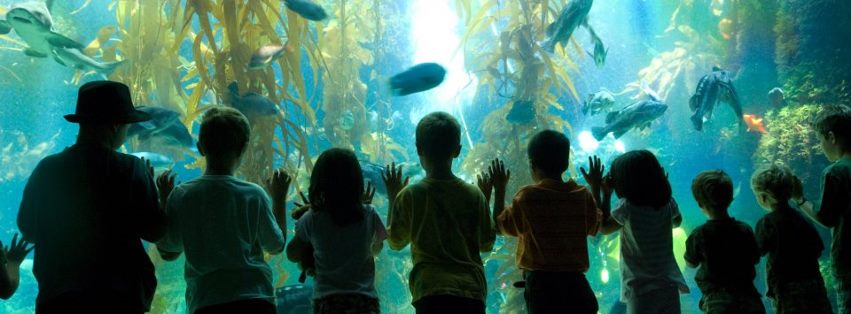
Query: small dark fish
point(165, 123)
point(777, 97)
point(266, 55)
point(638, 115)
point(294, 299)
point(600, 51)
point(307, 9)
point(712, 89)
point(252, 105)
point(420, 77)
point(574, 14)
point(598, 102)
point(522, 112)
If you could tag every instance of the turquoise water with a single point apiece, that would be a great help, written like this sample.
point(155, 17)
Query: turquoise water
point(667, 44)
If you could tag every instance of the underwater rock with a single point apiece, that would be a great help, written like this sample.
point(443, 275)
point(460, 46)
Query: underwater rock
point(252, 105)
point(76, 59)
point(307, 9)
point(164, 123)
point(418, 78)
point(638, 115)
point(600, 101)
point(712, 89)
point(573, 15)
point(33, 23)
point(266, 55)
point(522, 112)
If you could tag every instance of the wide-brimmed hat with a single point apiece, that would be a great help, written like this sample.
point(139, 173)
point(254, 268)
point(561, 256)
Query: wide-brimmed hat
point(106, 102)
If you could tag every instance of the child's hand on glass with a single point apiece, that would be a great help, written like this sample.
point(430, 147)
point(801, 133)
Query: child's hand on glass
point(300, 208)
point(485, 183)
point(499, 175)
point(594, 174)
point(369, 194)
point(278, 185)
point(393, 180)
point(17, 250)
point(166, 183)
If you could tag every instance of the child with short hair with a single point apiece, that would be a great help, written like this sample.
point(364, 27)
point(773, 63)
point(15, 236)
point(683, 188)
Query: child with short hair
point(650, 278)
point(833, 126)
point(342, 233)
point(446, 222)
point(792, 244)
point(552, 220)
point(725, 250)
point(224, 224)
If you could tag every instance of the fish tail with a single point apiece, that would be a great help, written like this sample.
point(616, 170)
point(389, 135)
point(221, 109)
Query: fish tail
point(599, 133)
point(697, 120)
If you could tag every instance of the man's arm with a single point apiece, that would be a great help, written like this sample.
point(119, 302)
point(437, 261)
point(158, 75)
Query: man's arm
point(150, 215)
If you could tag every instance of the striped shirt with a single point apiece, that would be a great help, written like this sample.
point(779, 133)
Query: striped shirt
point(552, 221)
point(647, 249)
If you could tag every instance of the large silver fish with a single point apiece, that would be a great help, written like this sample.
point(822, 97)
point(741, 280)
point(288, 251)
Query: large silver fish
point(598, 102)
point(638, 115)
point(33, 23)
point(573, 15)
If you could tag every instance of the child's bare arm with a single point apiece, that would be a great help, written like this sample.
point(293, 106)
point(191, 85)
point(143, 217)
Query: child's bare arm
point(500, 176)
point(394, 183)
point(278, 185)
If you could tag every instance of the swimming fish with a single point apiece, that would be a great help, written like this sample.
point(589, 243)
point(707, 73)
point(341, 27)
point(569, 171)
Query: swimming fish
point(251, 104)
point(372, 173)
point(572, 15)
point(522, 112)
point(712, 89)
point(600, 51)
point(164, 123)
point(157, 161)
point(266, 55)
point(598, 102)
point(754, 123)
point(418, 78)
point(307, 9)
point(33, 23)
point(638, 115)
point(777, 97)
point(75, 58)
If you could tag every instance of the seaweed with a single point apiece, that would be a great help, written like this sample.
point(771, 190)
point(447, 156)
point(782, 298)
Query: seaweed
point(791, 141)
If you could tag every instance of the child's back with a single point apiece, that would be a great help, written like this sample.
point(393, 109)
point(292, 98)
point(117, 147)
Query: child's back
point(223, 224)
point(726, 251)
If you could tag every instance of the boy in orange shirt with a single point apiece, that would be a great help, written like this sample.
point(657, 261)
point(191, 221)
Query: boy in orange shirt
point(552, 219)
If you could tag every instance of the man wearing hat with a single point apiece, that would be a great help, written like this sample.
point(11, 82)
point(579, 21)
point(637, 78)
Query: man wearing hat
point(87, 208)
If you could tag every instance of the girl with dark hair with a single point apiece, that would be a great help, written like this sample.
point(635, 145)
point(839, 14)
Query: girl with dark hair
point(340, 234)
point(645, 213)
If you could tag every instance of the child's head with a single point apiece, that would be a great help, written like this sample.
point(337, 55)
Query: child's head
point(224, 137)
point(833, 126)
point(549, 154)
point(336, 186)
point(638, 177)
point(438, 139)
point(774, 186)
point(713, 191)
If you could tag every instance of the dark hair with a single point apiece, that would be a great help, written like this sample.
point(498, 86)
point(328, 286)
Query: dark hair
point(549, 151)
point(336, 186)
point(836, 119)
point(776, 180)
point(639, 178)
point(438, 136)
point(224, 131)
point(713, 189)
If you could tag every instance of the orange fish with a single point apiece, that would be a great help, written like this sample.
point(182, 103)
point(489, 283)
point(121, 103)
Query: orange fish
point(726, 28)
point(754, 123)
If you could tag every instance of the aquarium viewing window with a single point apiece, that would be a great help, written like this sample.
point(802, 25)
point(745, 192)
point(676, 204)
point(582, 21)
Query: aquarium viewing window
point(701, 84)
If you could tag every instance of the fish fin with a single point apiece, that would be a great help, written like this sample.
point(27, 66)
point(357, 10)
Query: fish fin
point(148, 125)
point(549, 46)
point(694, 102)
point(59, 40)
point(620, 133)
point(233, 88)
point(611, 116)
point(35, 54)
point(5, 28)
point(590, 55)
point(110, 67)
point(585, 109)
point(697, 120)
point(58, 60)
point(551, 29)
point(599, 133)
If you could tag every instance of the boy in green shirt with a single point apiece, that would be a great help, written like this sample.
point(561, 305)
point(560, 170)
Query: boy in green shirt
point(446, 222)
point(834, 131)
